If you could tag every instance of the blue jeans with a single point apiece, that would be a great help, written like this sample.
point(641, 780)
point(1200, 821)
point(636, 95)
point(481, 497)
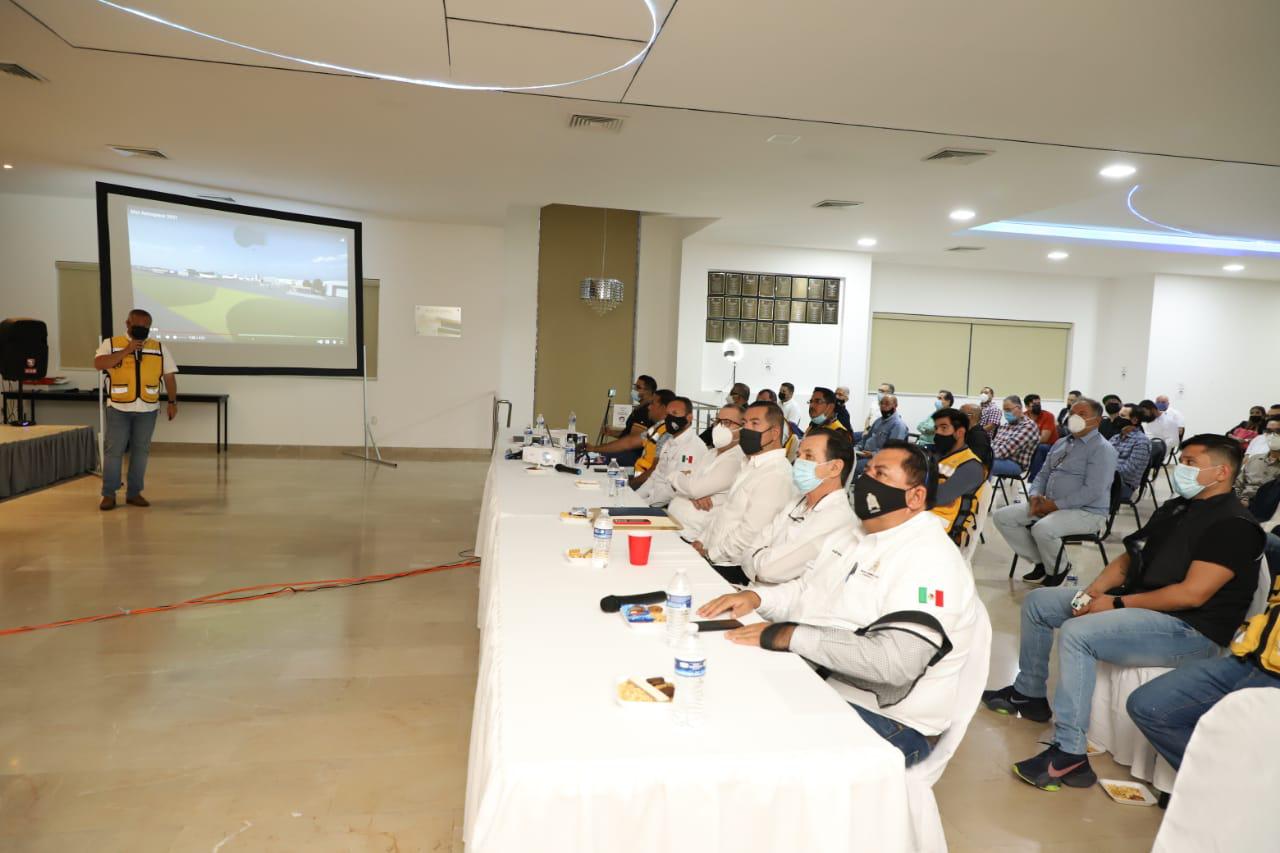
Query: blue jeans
point(1166, 709)
point(1272, 551)
point(1006, 468)
point(126, 431)
point(1127, 637)
point(913, 745)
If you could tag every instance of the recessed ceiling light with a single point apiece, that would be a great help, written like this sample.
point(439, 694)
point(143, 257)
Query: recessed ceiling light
point(8, 165)
point(1058, 255)
point(867, 242)
point(1233, 267)
point(1117, 170)
point(783, 139)
point(962, 214)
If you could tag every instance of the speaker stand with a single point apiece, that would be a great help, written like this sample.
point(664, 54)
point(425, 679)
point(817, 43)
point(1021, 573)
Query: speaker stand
point(21, 419)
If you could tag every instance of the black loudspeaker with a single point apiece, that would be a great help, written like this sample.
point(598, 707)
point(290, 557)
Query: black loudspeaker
point(24, 349)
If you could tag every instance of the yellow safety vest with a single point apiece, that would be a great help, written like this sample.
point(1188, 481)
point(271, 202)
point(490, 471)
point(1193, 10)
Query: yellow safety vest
point(137, 378)
point(1259, 638)
point(962, 513)
point(649, 456)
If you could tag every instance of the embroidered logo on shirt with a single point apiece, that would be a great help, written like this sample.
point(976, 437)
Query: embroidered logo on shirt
point(927, 595)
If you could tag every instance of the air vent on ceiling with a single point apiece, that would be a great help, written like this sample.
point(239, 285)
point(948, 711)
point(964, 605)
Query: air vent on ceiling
point(600, 124)
point(966, 248)
point(958, 156)
point(228, 199)
point(133, 151)
point(837, 204)
point(18, 71)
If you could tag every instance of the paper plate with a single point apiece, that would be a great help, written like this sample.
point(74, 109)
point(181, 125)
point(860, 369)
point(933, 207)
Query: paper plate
point(1127, 792)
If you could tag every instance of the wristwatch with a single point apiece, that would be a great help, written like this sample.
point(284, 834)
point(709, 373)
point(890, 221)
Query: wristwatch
point(1117, 602)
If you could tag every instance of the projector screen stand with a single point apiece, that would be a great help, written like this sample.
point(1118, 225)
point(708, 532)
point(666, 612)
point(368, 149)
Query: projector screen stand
point(369, 441)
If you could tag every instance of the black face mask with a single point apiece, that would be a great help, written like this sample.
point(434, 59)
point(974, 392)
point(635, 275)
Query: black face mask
point(139, 333)
point(944, 444)
point(675, 423)
point(1113, 408)
point(1035, 408)
point(750, 441)
point(887, 413)
point(872, 498)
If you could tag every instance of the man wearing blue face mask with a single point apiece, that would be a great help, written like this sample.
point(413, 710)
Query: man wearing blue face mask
point(1015, 443)
point(785, 548)
point(1175, 596)
point(822, 409)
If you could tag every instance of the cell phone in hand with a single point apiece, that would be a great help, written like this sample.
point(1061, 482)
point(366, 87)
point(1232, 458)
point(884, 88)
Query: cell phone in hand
point(717, 625)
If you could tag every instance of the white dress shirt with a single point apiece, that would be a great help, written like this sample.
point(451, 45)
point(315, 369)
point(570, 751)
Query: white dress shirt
point(678, 453)
point(760, 491)
point(1164, 428)
point(788, 546)
point(794, 412)
point(711, 477)
point(859, 577)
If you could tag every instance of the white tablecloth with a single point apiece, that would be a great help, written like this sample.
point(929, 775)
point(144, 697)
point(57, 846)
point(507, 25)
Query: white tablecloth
point(780, 763)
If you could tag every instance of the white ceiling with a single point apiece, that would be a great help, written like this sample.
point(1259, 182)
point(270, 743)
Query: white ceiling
point(1192, 84)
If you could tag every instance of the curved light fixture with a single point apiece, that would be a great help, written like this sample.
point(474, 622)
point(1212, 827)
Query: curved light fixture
point(601, 293)
point(732, 349)
point(394, 78)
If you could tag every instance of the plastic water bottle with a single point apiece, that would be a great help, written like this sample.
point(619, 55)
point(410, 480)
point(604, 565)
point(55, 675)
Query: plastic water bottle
point(528, 435)
point(601, 539)
point(679, 603)
point(540, 428)
point(1071, 581)
point(691, 679)
point(573, 422)
point(620, 484)
point(612, 474)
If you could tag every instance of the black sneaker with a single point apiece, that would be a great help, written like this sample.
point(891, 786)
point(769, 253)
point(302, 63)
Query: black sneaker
point(1053, 768)
point(1009, 701)
point(1036, 575)
point(1056, 580)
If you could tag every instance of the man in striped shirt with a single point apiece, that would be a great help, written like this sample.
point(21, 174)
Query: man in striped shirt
point(1016, 440)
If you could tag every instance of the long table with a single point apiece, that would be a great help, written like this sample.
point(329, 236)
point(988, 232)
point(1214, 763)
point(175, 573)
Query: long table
point(780, 762)
point(221, 419)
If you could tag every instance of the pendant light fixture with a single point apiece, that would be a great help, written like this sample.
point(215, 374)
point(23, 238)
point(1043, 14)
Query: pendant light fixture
point(602, 294)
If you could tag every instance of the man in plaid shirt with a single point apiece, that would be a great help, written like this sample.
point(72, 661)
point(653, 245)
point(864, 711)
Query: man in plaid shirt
point(990, 411)
point(1133, 450)
point(1016, 440)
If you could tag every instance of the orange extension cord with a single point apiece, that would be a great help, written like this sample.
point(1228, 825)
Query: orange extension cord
point(222, 597)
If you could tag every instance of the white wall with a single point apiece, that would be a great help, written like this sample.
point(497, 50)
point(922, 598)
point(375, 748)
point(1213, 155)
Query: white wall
point(518, 340)
point(1123, 339)
point(817, 354)
point(906, 289)
point(658, 294)
point(1212, 347)
point(431, 392)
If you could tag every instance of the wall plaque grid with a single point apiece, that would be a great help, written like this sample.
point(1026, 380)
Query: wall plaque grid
point(757, 307)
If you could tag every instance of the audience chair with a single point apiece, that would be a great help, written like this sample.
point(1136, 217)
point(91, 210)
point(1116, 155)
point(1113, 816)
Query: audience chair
point(1117, 486)
point(926, 822)
point(1147, 485)
point(1110, 726)
point(979, 528)
point(1037, 460)
point(997, 483)
point(1159, 450)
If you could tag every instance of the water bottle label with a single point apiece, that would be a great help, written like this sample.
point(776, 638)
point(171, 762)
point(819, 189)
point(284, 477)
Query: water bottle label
point(691, 668)
point(679, 601)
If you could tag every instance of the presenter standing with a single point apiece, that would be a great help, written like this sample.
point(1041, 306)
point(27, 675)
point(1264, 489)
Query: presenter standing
point(136, 365)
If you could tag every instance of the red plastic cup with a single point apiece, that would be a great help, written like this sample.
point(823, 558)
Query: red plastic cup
point(638, 548)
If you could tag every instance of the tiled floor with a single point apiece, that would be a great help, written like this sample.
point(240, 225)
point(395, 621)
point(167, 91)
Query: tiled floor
point(337, 720)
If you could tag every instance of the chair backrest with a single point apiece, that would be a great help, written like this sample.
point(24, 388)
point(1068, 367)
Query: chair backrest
point(1117, 492)
point(1263, 592)
point(1159, 450)
point(979, 524)
point(973, 680)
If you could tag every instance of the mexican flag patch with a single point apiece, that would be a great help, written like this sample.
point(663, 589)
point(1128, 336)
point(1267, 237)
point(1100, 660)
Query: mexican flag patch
point(934, 595)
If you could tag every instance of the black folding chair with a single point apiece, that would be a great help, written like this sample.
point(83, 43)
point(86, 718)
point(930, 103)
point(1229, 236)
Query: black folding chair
point(1148, 482)
point(1117, 488)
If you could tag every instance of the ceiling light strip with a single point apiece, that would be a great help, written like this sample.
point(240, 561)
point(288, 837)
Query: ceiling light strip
point(1128, 200)
point(1128, 235)
point(395, 78)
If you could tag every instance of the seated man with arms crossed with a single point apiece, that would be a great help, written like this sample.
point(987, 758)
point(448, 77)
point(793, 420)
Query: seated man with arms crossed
point(1016, 440)
point(961, 475)
point(788, 545)
point(1133, 449)
point(680, 452)
point(699, 490)
point(888, 427)
point(889, 610)
point(762, 488)
point(1071, 494)
point(1176, 595)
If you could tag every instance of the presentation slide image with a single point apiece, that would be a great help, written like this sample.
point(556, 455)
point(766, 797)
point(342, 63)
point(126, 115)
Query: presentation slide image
point(218, 279)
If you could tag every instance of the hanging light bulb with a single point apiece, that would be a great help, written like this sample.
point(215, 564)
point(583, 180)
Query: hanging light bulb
point(602, 294)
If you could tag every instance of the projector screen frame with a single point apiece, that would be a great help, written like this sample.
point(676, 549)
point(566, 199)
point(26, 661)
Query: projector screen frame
point(109, 327)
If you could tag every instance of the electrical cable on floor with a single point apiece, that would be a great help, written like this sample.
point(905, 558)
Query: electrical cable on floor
point(232, 596)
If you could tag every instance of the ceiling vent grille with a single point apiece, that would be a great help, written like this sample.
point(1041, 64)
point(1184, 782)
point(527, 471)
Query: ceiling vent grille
point(18, 71)
point(133, 151)
point(837, 204)
point(966, 248)
point(597, 124)
point(957, 156)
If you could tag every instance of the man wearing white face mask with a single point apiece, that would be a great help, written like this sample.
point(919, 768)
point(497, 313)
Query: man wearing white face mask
point(1071, 494)
point(789, 544)
point(992, 414)
point(701, 490)
point(1261, 468)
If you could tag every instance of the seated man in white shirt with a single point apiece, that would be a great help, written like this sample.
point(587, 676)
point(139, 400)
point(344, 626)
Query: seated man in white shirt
point(699, 491)
point(889, 610)
point(788, 546)
point(680, 452)
point(760, 491)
